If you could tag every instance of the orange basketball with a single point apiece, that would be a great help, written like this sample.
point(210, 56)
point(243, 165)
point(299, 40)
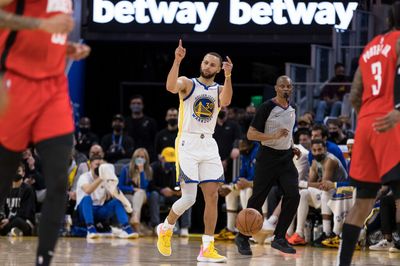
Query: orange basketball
point(249, 221)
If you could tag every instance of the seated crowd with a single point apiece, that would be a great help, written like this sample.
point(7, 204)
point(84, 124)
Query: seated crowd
point(125, 182)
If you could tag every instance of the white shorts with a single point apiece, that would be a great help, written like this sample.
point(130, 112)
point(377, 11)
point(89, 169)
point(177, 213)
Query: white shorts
point(198, 159)
point(315, 197)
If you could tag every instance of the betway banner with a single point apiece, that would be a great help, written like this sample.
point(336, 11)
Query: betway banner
point(217, 19)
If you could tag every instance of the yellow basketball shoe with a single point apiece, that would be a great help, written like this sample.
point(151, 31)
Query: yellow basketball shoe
point(164, 240)
point(210, 254)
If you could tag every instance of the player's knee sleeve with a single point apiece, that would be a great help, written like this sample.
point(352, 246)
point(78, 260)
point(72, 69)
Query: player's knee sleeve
point(189, 193)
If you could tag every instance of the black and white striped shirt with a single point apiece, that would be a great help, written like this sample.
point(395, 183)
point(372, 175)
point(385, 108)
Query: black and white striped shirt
point(271, 117)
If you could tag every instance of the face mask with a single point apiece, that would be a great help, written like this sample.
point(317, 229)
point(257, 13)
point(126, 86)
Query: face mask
point(319, 157)
point(221, 114)
point(84, 130)
point(17, 178)
point(172, 122)
point(140, 160)
point(118, 128)
point(96, 171)
point(136, 108)
point(334, 134)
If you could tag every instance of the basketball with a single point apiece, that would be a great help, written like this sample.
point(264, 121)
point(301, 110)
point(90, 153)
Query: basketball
point(249, 221)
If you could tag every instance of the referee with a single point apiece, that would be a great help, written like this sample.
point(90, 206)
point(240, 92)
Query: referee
point(272, 126)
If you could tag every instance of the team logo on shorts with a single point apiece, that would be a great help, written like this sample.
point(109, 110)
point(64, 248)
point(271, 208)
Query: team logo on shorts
point(203, 108)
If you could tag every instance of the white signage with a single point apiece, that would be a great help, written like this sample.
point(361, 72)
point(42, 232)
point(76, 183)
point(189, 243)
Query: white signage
point(200, 14)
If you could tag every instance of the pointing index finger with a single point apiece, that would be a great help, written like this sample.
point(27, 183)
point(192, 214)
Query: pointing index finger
point(180, 42)
point(229, 60)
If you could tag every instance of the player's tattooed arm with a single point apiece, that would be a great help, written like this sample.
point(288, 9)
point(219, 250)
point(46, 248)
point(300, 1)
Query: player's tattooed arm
point(15, 22)
point(356, 91)
point(61, 23)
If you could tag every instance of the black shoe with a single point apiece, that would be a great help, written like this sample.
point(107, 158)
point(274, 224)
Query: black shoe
point(282, 245)
point(318, 242)
point(243, 245)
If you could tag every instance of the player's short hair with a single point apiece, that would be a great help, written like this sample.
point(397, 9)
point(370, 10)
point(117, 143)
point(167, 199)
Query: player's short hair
point(216, 55)
point(303, 131)
point(323, 128)
point(318, 141)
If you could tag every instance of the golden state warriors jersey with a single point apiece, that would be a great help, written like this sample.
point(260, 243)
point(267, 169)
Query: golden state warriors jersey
point(199, 110)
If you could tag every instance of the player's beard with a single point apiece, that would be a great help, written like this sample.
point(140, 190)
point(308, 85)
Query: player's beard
point(205, 76)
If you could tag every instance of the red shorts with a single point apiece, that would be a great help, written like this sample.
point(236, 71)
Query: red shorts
point(375, 154)
point(37, 110)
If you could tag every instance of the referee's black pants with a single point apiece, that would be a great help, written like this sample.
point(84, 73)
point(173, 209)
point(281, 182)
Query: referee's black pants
point(276, 167)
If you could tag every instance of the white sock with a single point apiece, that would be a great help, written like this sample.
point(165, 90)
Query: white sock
point(273, 219)
point(167, 226)
point(231, 221)
point(206, 239)
point(302, 212)
point(326, 227)
point(337, 228)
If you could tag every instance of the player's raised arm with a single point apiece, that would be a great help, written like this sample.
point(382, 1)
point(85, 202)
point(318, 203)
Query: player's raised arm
point(227, 92)
point(175, 83)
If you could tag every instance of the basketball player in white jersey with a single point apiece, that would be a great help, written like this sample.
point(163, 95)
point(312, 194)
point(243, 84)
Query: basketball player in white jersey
point(198, 160)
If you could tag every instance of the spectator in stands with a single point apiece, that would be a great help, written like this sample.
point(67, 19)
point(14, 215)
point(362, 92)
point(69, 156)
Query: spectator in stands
point(164, 190)
point(332, 95)
point(133, 182)
point(303, 137)
point(325, 166)
point(94, 203)
point(141, 128)
point(240, 189)
point(303, 122)
point(19, 213)
point(117, 145)
point(227, 134)
point(321, 132)
point(166, 137)
point(33, 175)
point(349, 144)
point(310, 116)
point(336, 134)
point(245, 117)
point(85, 138)
point(83, 167)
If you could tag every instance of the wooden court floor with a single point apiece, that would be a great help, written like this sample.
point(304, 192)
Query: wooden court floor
point(142, 251)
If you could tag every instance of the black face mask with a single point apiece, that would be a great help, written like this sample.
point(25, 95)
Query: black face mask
point(172, 122)
point(84, 130)
point(319, 157)
point(221, 114)
point(118, 128)
point(334, 134)
point(96, 171)
point(17, 177)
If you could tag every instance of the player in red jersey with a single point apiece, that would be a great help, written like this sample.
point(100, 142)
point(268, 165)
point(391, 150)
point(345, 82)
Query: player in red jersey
point(34, 101)
point(375, 95)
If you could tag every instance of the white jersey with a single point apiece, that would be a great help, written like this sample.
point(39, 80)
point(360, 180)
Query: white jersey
point(198, 111)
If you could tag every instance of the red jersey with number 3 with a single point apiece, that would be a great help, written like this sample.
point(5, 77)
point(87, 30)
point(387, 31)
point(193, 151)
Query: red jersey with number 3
point(34, 53)
point(378, 69)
